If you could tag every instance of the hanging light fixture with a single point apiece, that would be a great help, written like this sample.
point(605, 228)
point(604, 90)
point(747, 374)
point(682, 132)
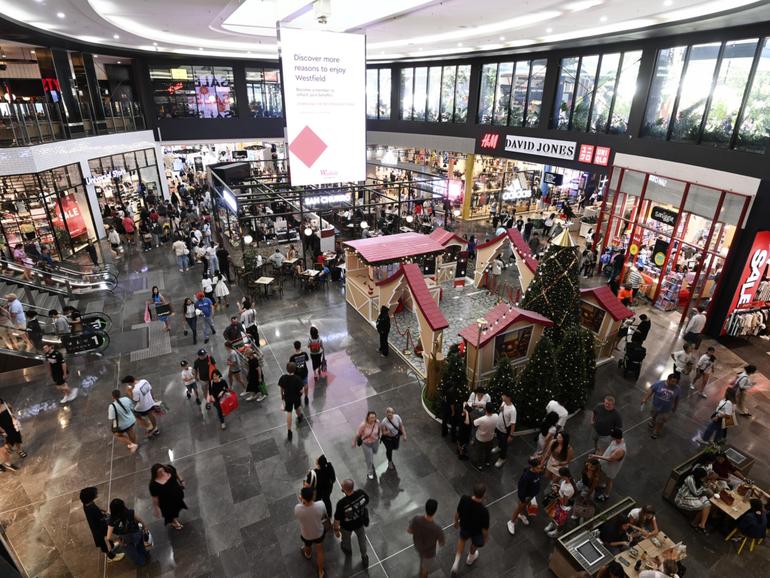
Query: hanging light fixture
point(247, 239)
point(364, 225)
point(308, 231)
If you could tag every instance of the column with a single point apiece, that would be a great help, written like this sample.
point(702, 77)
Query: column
point(470, 163)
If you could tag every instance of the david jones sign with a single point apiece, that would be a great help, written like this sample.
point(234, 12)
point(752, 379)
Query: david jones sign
point(560, 149)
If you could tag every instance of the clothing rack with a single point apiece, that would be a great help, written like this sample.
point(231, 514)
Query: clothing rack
point(752, 321)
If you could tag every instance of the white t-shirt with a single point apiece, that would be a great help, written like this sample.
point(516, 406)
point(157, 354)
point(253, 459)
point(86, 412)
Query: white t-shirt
point(179, 248)
point(497, 267)
point(560, 410)
point(506, 417)
point(725, 406)
point(187, 375)
point(477, 403)
point(142, 396)
point(486, 425)
point(566, 489)
point(704, 363)
point(696, 324)
point(207, 285)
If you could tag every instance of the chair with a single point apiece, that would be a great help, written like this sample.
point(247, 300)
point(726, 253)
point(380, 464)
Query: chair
point(744, 539)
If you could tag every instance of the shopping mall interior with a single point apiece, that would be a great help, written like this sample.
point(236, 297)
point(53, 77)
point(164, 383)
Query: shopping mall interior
point(532, 238)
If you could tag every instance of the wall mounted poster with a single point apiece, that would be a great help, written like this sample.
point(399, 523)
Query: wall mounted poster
point(513, 344)
point(324, 83)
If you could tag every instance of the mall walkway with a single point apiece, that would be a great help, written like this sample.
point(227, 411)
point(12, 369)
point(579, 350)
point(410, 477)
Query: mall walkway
point(242, 483)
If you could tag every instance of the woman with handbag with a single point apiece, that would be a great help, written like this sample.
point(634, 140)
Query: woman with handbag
point(368, 439)
point(167, 491)
point(218, 390)
point(321, 478)
point(126, 529)
point(10, 429)
point(392, 430)
point(560, 507)
point(158, 299)
point(722, 418)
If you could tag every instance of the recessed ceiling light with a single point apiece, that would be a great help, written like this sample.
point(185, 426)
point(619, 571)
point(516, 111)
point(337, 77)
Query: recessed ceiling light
point(61, 15)
point(603, 19)
point(119, 62)
point(200, 48)
point(154, 43)
point(502, 38)
point(548, 30)
point(32, 52)
point(116, 36)
point(459, 44)
point(668, 2)
point(96, 56)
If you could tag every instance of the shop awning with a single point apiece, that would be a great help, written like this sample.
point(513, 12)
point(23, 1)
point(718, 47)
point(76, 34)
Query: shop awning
point(499, 319)
point(609, 302)
point(390, 248)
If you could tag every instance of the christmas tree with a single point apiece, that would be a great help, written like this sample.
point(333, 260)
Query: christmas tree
point(537, 384)
point(453, 386)
point(577, 367)
point(502, 381)
point(555, 290)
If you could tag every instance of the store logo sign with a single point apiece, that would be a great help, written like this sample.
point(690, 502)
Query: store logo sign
point(489, 140)
point(326, 199)
point(664, 216)
point(560, 149)
point(602, 156)
point(102, 179)
point(586, 153)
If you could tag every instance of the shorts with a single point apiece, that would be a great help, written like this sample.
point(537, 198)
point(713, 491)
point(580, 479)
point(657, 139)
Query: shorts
point(125, 429)
point(660, 416)
point(428, 565)
point(304, 379)
point(290, 404)
point(309, 543)
point(476, 539)
point(59, 379)
point(191, 386)
point(144, 413)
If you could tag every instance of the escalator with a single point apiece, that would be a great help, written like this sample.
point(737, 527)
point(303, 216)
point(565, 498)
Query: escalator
point(62, 279)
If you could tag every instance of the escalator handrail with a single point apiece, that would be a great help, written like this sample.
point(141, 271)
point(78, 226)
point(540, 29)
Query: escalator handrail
point(78, 280)
point(76, 269)
point(32, 285)
point(42, 312)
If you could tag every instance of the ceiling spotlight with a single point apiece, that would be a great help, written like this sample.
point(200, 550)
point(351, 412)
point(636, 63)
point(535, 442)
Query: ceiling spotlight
point(119, 62)
point(548, 30)
point(32, 52)
point(603, 19)
point(668, 2)
point(154, 43)
point(309, 231)
point(364, 225)
point(459, 44)
point(409, 218)
point(502, 38)
point(61, 15)
point(116, 36)
point(200, 48)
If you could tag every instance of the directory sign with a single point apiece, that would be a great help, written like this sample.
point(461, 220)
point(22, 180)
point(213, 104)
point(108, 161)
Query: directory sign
point(324, 83)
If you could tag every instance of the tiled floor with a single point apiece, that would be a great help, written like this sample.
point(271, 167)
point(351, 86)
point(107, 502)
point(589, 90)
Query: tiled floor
point(242, 482)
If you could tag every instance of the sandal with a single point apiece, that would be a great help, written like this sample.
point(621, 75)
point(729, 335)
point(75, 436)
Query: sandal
point(306, 554)
point(22, 454)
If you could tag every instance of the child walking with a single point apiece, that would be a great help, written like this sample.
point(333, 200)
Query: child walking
point(190, 383)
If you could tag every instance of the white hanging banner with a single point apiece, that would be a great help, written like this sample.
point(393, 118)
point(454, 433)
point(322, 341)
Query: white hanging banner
point(324, 86)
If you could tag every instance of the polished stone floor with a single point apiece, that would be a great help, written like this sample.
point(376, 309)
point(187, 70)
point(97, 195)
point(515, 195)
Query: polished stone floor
point(242, 483)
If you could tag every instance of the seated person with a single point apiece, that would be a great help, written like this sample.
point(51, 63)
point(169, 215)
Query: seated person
point(614, 534)
point(693, 496)
point(292, 253)
point(644, 519)
point(324, 274)
point(276, 259)
point(726, 471)
point(753, 524)
point(612, 570)
point(668, 569)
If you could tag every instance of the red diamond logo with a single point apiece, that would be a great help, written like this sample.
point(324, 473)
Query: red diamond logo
point(307, 146)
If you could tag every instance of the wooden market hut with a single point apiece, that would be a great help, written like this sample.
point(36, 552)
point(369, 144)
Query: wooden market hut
point(602, 313)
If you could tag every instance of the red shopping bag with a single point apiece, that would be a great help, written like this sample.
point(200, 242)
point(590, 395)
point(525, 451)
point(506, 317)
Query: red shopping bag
point(147, 316)
point(229, 403)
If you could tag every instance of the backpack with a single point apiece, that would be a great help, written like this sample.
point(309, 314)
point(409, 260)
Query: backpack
point(315, 346)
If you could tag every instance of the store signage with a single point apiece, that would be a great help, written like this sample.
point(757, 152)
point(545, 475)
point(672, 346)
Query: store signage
point(105, 178)
point(554, 179)
point(665, 216)
point(602, 156)
point(51, 84)
point(586, 154)
point(560, 149)
point(489, 141)
point(658, 180)
point(753, 272)
point(326, 199)
point(515, 192)
point(85, 342)
point(76, 225)
point(324, 84)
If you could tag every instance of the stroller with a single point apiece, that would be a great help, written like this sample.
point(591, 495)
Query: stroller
point(631, 364)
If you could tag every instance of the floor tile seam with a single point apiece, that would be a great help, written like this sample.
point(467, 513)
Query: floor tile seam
point(202, 451)
point(103, 563)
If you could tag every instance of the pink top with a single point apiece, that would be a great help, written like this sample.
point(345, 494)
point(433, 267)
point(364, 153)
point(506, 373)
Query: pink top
point(370, 434)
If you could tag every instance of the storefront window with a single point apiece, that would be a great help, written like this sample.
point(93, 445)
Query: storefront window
point(605, 92)
point(511, 93)
point(407, 93)
point(378, 93)
point(662, 95)
point(694, 92)
point(435, 93)
point(584, 92)
point(420, 93)
point(503, 93)
point(118, 185)
point(263, 86)
point(193, 91)
point(625, 92)
point(487, 94)
point(754, 130)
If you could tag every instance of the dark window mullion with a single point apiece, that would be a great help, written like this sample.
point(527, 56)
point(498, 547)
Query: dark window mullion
point(714, 80)
point(440, 93)
point(682, 76)
point(510, 94)
point(574, 92)
point(454, 100)
point(618, 72)
point(593, 92)
point(377, 96)
point(526, 97)
point(747, 92)
point(427, 91)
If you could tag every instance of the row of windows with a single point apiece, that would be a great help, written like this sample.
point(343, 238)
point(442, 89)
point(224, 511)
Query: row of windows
point(716, 94)
point(512, 93)
point(435, 93)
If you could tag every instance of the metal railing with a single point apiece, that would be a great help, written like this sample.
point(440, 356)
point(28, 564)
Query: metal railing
point(31, 123)
point(57, 281)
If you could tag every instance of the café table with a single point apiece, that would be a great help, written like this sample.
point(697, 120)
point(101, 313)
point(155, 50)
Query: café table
point(265, 282)
point(308, 276)
point(740, 504)
point(648, 549)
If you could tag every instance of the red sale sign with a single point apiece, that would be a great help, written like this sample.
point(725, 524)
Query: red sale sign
point(76, 225)
point(753, 272)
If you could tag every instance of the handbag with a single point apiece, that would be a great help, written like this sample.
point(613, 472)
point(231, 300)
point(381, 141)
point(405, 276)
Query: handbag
point(729, 421)
point(359, 440)
point(532, 508)
point(229, 403)
point(114, 425)
point(147, 314)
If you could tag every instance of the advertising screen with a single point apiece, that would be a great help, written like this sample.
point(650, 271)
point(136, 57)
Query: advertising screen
point(324, 82)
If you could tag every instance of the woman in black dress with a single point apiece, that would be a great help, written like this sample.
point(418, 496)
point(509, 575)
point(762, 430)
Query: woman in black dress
point(167, 491)
point(383, 328)
point(321, 479)
point(9, 428)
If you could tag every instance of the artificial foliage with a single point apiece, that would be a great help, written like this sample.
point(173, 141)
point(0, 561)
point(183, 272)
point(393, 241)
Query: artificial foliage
point(576, 367)
point(537, 384)
point(453, 386)
point(502, 380)
point(555, 290)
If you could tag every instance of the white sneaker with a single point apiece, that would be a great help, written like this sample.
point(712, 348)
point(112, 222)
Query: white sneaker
point(260, 397)
point(553, 534)
point(117, 558)
point(472, 558)
point(523, 519)
point(549, 528)
point(499, 463)
point(495, 450)
point(245, 393)
point(511, 527)
point(65, 399)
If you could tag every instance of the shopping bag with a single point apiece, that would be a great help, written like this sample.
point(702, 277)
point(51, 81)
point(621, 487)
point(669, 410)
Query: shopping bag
point(147, 315)
point(229, 403)
point(263, 387)
point(532, 508)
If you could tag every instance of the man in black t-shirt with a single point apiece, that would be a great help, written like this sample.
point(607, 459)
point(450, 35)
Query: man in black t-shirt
point(472, 517)
point(203, 365)
point(291, 394)
point(300, 359)
point(351, 516)
point(59, 372)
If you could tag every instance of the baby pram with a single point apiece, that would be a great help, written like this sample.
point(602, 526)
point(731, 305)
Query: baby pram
point(631, 364)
